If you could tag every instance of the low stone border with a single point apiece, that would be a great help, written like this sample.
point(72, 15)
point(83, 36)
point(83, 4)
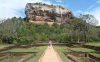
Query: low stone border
point(97, 48)
point(7, 48)
point(73, 58)
point(82, 54)
point(24, 59)
point(94, 58)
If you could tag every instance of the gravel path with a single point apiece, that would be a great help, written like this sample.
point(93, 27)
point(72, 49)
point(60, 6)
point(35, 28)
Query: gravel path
point(50, 55)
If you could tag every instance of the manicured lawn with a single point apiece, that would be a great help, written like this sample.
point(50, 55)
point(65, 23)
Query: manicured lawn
point(95, 54)
point(32, 49)
point(60, 51)
point(94, 44)
point(81, 49)
point(38, 55)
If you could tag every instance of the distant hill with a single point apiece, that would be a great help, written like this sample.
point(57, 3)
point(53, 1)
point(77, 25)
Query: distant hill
point(46, 13)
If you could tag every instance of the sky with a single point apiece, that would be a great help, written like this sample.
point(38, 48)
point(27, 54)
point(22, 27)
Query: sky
point(11, 8)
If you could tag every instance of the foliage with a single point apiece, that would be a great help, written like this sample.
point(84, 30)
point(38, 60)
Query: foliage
point(17, 31)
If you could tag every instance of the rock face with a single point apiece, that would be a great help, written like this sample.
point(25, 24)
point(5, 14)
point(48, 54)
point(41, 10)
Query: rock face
point(44, 12)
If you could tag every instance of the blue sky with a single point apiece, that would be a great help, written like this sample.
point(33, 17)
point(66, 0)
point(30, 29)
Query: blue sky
point(10, 8)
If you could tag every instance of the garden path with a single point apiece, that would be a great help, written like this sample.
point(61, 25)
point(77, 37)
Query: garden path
point(50, 55)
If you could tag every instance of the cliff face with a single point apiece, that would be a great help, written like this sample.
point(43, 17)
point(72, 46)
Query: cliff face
point(44, 12)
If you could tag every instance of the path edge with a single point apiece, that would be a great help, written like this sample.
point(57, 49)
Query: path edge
point(40, 59)
point(58, 55)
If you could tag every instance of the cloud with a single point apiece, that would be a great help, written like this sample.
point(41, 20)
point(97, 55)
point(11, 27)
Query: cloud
point(95, 12)
point(79, 11)
point(10, 8)
point(59, 1)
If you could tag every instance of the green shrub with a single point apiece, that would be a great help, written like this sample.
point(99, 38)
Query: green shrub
point(23, 40)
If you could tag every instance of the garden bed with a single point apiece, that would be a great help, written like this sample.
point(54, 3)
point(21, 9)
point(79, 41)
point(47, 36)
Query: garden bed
point(31, 49)
point(17, 54)
point(94, 45)
point(79, 49)
point(88, 55)
point(16, 57)
point(80, 57)
point(95, 56)
point(60, 50)
point(6, 47)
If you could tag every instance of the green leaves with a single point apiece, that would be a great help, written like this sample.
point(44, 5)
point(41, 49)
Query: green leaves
point(15, 30)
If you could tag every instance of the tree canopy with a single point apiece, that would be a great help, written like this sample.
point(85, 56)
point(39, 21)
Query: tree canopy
point(17, 31)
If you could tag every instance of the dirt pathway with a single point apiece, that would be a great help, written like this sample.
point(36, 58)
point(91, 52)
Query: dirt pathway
point(50, 55)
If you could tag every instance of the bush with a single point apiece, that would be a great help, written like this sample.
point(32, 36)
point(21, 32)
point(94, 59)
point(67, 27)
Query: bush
point(23, 40)
point(8, 40)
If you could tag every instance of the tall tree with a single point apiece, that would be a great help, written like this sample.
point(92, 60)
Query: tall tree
point(88, 21)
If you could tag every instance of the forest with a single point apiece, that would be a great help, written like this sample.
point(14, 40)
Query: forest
point(81, 29)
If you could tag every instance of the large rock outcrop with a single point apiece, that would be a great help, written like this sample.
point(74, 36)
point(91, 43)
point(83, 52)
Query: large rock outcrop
point(45, 12)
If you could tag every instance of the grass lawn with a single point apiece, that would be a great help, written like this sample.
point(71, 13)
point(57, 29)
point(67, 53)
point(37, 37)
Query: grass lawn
point(81, 49)
point(94, 43)
point(15, 58)
point(83, 59)
point(41, 49)
point(95, 54)
point(4, 45)
point(32, 49)
point(60, 51)
point(12, 58)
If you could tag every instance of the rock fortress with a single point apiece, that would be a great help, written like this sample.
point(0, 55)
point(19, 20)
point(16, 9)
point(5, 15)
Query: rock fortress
point(40, 12)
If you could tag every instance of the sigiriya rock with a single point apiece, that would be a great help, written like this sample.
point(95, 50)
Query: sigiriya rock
point(48, 13)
